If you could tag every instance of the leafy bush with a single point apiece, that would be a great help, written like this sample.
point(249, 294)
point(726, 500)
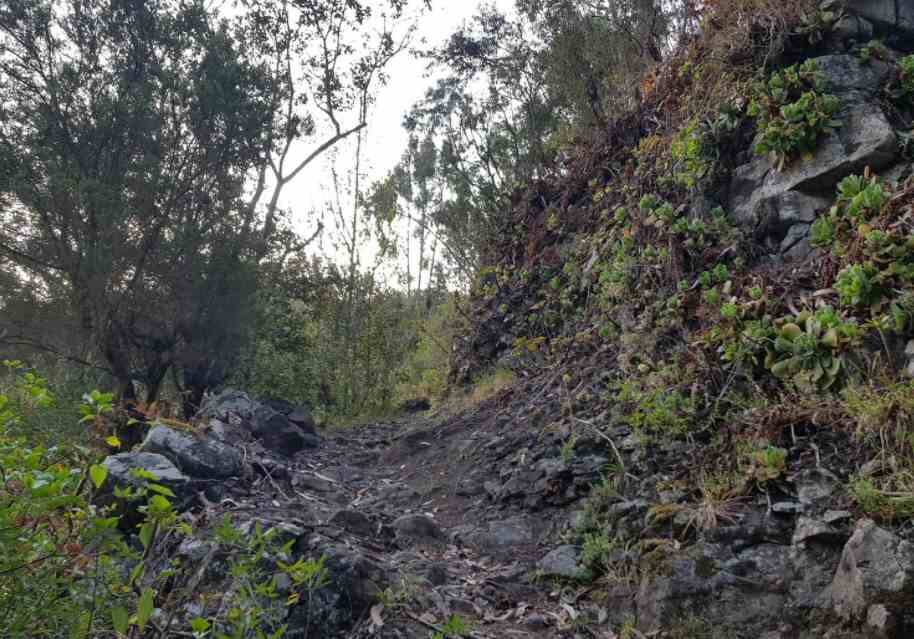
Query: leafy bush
point(65, 556)
point(860, 199)
point(792, 111)
point(873, 50)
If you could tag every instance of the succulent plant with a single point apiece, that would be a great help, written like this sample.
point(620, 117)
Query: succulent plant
point(809, 349)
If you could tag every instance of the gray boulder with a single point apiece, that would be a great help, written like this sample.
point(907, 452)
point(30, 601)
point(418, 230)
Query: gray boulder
point(353, 521)
point(121, 474)
point(418, 527)
point(564, 561)
point(733, 591)
point(876, 568)
point(229, 406)
point(278, 434)
point(120, 471)
point(196, 456)
point(281, 433)
point(500, 538)
point(302, 418)
point(354, 583)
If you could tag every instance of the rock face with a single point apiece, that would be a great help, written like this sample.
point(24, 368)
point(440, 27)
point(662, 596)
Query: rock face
point(196, 456)
point(780, 206)
point(876, 569)
point(417, 527)
point(891, 20)
point(278, 434)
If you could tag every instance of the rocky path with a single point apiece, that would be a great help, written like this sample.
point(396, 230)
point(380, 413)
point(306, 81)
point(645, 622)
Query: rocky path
point(411, 497)
point(419, 520)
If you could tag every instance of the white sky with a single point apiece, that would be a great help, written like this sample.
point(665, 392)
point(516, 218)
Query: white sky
point(385, 139)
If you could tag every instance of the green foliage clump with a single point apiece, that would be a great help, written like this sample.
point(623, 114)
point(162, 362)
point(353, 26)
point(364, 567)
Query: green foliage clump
point(884, 418)
point(905, 88)
point(859, 200)
point(64, 554)
point(455, 628)
point(890, 498)
point(425, 369)
point(879, 251)
point(856, 286)
point(691, 152)
point(873, 50)
point(810, 350)
point(792, 110)
point(655, 410)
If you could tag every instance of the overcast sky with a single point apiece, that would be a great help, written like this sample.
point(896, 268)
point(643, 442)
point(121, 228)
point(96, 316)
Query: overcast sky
point(385, 138)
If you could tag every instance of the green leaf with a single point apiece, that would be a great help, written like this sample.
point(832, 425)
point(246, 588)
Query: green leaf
point(791, 331)
point(98, 474)
point(120, 618)
point(147, 532)
point(158, 504)
point(162, 490)
point(142, 473)
point(137, 572)
point(144, 608)
point(200, 625)
point(781, 369)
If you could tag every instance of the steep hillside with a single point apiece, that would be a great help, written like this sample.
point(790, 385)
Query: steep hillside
point(718, 295)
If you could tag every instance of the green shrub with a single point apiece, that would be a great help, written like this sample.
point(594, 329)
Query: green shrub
point(792, 111)
point(856, 285)
point(873, 50)
point(67, 570)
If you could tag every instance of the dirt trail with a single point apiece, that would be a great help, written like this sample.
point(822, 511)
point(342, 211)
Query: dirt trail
point(482, 567)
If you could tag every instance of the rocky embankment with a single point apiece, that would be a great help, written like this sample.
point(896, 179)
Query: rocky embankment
point(479, 516)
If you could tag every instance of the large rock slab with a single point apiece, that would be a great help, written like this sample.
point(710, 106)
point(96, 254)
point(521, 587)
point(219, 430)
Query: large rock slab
point(418, 528)
point(564, 561)
point(229, 406)
point(122, 474)
point(353, 584)
point(196, 456)
point(876, 568)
